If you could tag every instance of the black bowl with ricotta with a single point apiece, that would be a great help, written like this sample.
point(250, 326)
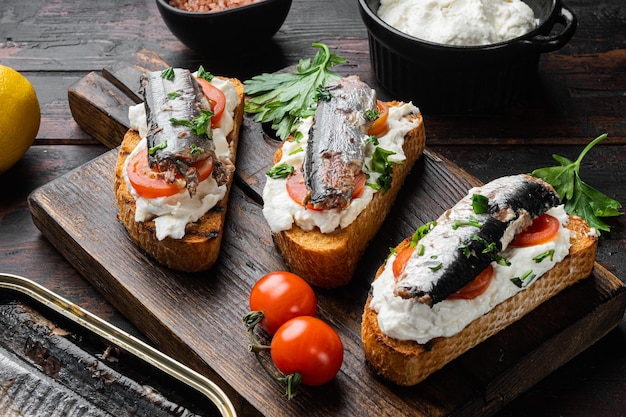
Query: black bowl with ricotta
point(226, 31)
point(441, 78)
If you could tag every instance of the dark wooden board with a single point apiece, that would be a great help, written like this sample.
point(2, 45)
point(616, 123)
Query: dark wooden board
point(196, 318)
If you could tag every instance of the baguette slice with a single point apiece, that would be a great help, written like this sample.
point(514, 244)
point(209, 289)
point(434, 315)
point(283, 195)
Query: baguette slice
point(328, 260)
point(199, 248)
point(408, 363)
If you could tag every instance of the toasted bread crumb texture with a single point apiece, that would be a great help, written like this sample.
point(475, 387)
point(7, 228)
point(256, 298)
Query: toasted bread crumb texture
point(408, 363)
point(328, 260)
point(199, 248)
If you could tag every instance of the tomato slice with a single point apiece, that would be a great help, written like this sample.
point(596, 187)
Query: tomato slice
point(149, 183)
point(309, 346)
point(476, 287)
point(543, 229)
point(401, 259)
point(380, 125)
point(217, 99)
point(296, 188)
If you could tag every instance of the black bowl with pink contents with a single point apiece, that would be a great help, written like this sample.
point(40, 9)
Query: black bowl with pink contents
point(442, 78)
point(226, 31)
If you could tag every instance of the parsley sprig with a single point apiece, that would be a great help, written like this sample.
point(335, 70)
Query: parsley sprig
point(580, 199)
point(284, 98)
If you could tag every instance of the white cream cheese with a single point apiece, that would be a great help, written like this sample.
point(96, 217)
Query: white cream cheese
point(172, 214)
point(281, 212)
point(407, 319)
point(459, 22)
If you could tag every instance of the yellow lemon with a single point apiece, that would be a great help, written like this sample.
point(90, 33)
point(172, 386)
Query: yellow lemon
point(19, 116)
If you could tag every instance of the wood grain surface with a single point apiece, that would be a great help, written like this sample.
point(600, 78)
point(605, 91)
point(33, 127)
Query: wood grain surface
point(580, 94)
point(197, 317)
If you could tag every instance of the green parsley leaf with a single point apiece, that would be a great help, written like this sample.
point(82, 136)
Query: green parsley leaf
point(280, 171)
point(579, 198)
point(473, 221)
point(199, 125)
point(382, 165)
point(372, 114)
point(422, 231)
point(153, 149)
point(168, 74)
point(173, 95)
point(480, 203)
point(545, 255)
point(284, 98)
point(202, 73)
point(323, 94)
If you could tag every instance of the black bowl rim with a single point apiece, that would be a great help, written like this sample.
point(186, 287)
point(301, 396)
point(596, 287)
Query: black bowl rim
point(365, 7)
point(231, 10)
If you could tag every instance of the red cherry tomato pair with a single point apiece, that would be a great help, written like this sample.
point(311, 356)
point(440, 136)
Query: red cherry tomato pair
point(303, 347)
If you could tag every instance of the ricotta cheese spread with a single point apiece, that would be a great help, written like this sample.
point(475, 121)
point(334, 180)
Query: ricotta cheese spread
point(171, 214)
point(459, 22)
point(281, 212)
point(407, 319)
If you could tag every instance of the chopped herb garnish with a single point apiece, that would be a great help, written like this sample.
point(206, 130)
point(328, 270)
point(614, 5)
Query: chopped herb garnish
point(199, 125)
point(480, 204)
point(420, 250)
point(168, 74)
point(422, 231)
point(372, 114)
point(372, 139)
point(433, 257)
point(173, 95)
point(465, 250)
point(382, 165)
point(322, 93)
point(521, 281)
point(546, 254)
point(580, 199)
point(436, 267)
point(297, 150)
point(501, 260)
point(202, 73)
point(153, 149)
point(196, 149)
point(280, 171)
point(473, 221)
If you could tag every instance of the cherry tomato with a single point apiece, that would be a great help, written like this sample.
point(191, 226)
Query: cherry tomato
point(543, 229)
point(309, 346)
point(216, 98)
point(401, 259)
point(281, 296)
point(380, 125)
point(476, 287)
point(296, 188)
point(150, 184)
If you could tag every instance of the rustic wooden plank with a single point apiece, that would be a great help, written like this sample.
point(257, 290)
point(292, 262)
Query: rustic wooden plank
point(186, 315)
point(100, 109)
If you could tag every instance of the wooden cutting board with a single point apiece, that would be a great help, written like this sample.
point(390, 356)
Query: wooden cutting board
point(196, 318)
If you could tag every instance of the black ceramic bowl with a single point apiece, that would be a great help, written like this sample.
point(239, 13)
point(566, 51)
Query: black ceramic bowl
point(228, 30)
point(463, 79)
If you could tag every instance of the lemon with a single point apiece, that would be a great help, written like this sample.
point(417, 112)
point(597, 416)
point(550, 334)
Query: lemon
point(19, 116)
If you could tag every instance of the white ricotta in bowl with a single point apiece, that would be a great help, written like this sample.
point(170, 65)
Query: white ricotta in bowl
point(459, 22)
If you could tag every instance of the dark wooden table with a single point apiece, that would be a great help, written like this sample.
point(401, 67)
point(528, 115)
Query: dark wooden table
point(580, 93)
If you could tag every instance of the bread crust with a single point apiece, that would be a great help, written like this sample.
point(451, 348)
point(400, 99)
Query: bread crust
point(199, 249)
point(328, 260)
point(408, 362)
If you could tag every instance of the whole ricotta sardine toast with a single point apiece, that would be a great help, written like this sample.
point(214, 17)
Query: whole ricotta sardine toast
point(502, 250)
point(175, 166)
point(333, 182)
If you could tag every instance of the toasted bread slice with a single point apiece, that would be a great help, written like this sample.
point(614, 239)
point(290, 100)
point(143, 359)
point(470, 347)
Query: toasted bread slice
point(328, 260)
point(408, 362)
point(199, 248)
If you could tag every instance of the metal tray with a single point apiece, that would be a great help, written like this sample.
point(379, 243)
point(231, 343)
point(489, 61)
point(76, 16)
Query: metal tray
point(58, 359)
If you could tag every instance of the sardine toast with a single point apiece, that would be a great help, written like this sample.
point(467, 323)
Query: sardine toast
point(172, 181)
point(324, 221)
point(470, 274)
